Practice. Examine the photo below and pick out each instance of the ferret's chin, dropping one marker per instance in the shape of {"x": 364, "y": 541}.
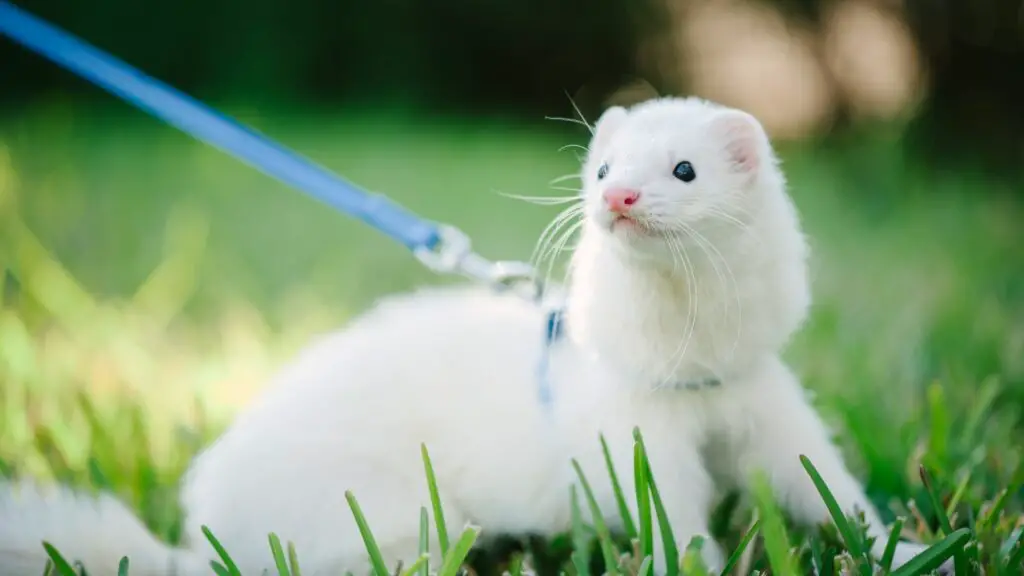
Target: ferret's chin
{"x": 635, "y": 237}
{"x": 625, "y": 227}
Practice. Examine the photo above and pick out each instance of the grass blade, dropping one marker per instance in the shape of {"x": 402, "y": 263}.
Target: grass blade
{"x": 380, "y": 568}
{"x": 818, "y": 563}
{"x": 61, "y": 566}
{"x": 935, "y": 555}
{"x": 620, "y": 497}
{"x": 1012, "y": 558}
{"x": 643, "y": 501}
{"x": 959, "y": 558}
{"x": 939, "y": 428}
{"x": 457, "y": 554}
{"x": 515, "y": 565}
{"x": 97, "y": 479}
{"x": 891, "y": 543}
{"x": 419, "y": 566}
{"x": 773, "y": 528}
{"x": 279, "y": 558}
{"x": 435, "y": 502}
{"x": 693, "y": 559}
{"x": 424, "y": 541}
{"x": 1014, "y": 561}
{"x": 991, "y": 516}
{"x": 582, "y": 568}
{"x": 579, "y": 564}
{"x": 981, "y": 407}
{"x": 850, "y": 536}
{"x": 937, "y": 507}
{"x": 7, "y": 470}
{"x": 961, "y": 489}
{"x": 229, "y": 565}
{"x": 645, "y": 567}
{"x": 47, "y": 446}
{"x": 737, "y": 554}
{"x": 293, "y": 560}
{"x": 668, "y": 538}
{"x": 603, "y": 535}
{"x": 580, "y": 535}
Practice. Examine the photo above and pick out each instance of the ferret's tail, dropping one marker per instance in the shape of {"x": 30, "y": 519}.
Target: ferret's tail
{"x": 96, "y": 531}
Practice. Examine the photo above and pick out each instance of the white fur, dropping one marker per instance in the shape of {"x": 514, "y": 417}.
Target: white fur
{"x": 456, "y": 370}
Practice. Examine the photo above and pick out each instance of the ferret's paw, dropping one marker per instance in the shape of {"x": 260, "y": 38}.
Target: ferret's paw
{"x": 905, "y": 551}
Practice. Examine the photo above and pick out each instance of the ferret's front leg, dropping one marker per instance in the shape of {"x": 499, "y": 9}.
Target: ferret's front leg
{"x": 777, "y": 424}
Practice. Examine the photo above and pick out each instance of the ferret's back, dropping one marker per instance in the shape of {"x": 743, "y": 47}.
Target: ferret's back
{"x": 421, "y": 367}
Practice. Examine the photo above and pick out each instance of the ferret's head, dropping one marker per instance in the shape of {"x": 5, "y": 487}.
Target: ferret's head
{"x": 675, "y": 170}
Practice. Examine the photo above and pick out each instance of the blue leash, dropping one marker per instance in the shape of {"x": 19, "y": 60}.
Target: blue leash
{"x": 441, "y": 248}
{"x": 192, "y": 117}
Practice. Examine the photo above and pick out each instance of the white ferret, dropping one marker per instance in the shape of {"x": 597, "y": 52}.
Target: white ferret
{"x": 689, "y": 278}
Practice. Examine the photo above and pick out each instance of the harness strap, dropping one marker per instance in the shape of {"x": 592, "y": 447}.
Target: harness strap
{"x": 553, "y": 333}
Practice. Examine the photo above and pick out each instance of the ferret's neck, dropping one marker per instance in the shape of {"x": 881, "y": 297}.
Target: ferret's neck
{"x": 665, "y": 324}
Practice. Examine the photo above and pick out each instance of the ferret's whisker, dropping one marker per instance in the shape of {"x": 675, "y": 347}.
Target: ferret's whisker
{"x": 561, "y": 179}
{"x": 724, "y": 216}
{"x": 580, "y": 114}
{"x": 693, "y": 295}
{"x": 574, "y": 146}
{"x": 677, "y": 260}
{"x": 560, "y": 247}
{"x": 679, "y": 355}
{"x": 555, "y": 246}
{"x": 714, "y": 253}
{"x": 542, "y": 200}
{"x": 702, "y": 243}
{"x": 551, "y": 231}
{"x": 570, "y": 120}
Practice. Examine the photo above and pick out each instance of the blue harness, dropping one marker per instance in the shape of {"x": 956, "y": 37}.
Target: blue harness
{"x": 552, "y": 334}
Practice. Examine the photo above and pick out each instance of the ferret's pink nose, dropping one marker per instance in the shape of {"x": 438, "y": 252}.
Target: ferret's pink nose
{"x": 620, "y": 200}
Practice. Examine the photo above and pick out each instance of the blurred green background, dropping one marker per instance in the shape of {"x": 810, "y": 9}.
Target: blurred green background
{"x": 141, "y": 267}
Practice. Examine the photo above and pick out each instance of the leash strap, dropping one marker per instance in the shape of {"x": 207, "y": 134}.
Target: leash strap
{"x": 195, "y": 119}
{"x": 440, "y": 247}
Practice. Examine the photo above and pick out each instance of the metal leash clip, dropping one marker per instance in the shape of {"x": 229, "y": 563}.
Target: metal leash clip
{"x": 453, "y": 254}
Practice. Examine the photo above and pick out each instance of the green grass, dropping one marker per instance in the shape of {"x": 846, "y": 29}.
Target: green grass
{"x": 154, "y": 284}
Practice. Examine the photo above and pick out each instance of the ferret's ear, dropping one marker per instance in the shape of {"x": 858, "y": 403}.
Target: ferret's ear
{"x": 608, "y": 124}
{"x": 742, "y": 139}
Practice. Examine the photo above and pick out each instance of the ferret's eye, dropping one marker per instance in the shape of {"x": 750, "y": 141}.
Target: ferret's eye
{"x": 684, "y": 171}
{"x": 602, "y": 171}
